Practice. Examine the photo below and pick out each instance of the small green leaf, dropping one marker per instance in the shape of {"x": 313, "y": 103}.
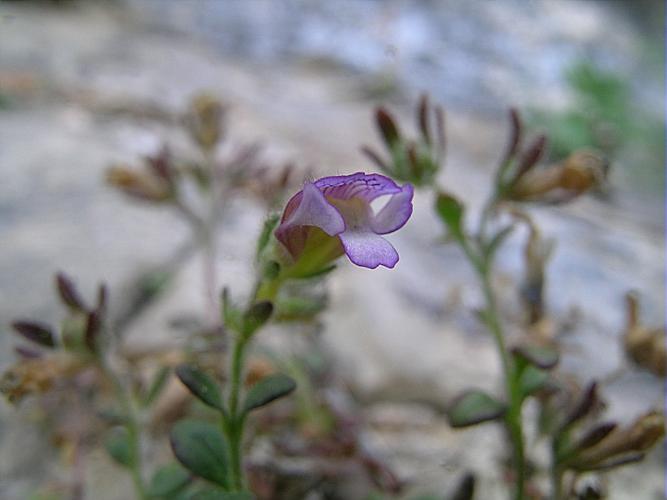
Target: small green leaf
{"x": 201, "y": 448}
{"x": 169, "y": 480}
{"x": 258, "y": 314}
{"x": 542, "y": 357}
{"x": 532, "y": 379}
{"x": 451, "y": 211}
{"x": 299, "y": 308}
{"x": 497, "y": 240}
{"x": 265, "y": 236}
{"x": 118, "y": 445}
{"x": 200, "y": 385}
{"x": 268, "y": 389}
{"x": 474, "y": 407}
{"x": 158, "y": 383}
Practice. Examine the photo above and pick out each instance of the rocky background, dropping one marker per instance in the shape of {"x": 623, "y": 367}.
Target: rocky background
{"x": 84, "y": 84}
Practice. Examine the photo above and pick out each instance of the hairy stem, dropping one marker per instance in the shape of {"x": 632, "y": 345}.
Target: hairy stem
{"x": 233, "y": 425}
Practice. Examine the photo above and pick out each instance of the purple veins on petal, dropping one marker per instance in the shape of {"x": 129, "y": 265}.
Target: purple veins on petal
{"x": 341, "y": 207}
{"x": 367, "y": 249}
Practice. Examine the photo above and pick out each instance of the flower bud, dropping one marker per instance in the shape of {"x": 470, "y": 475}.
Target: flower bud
{"x": 141, "y": 185}
{"x": 561, "y": 182}
{"x": 204, "y": 121}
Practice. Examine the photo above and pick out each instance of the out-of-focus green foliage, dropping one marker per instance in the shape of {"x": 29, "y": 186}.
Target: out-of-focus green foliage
{"x": 605, "y": 114}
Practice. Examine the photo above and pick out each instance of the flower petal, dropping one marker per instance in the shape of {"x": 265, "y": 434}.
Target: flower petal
{"x": 367, "y": 249}
{"x": 395, "y": 213}
{"x": 359, "y": 185}
{"x": 315, "y": 210}
{"x": 306, "y": 209}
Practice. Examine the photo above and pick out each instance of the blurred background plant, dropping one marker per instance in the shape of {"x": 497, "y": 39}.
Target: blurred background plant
{"x": 378, "y": 360}
{"x": 528, "y": 361}
{"x": 606, "y": 114}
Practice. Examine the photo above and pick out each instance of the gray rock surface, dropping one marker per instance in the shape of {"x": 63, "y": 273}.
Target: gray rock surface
{"x": 89, "y": 65}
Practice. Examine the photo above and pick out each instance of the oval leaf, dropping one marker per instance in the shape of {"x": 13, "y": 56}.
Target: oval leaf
{"x": 201, "y": 448}
{"x": 474, "y": 407}
{"x": 450, "y": 211}
{"x": 268, "y": 389}
{"x": 200, "y": 385}
{"x": 532, "y": 379}
{"x": 118, "y": 445}
{"x": 541, "y": 357}
{"x": 168, "y": 480}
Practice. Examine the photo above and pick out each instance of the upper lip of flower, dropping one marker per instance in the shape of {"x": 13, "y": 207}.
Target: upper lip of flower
{"x": 340, "y": 206}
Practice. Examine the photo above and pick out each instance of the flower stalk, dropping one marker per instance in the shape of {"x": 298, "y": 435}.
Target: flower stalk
{"x": 513, "y": 422}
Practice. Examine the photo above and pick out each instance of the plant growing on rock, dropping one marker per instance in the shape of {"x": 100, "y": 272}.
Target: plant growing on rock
{"x": 326, "y": 219}
{"x": 527, "y": 364}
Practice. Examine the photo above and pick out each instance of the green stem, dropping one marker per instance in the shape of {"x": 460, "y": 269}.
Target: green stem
{"x": 556, "y": 474}
{"x": 133, "y": 430}
{"x": 556, "y": 483}
{"x": 235, "y": 422}
{"x": 513, "y": 420}
{"x": 513, "y": 416}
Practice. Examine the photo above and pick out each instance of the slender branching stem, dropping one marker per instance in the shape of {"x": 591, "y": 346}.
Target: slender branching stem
{"x": 233, "y": 423}
{"x": 513, "y": 422}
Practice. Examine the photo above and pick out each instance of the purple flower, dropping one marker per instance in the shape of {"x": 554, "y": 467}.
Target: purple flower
{"x": 333, "y": 215}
